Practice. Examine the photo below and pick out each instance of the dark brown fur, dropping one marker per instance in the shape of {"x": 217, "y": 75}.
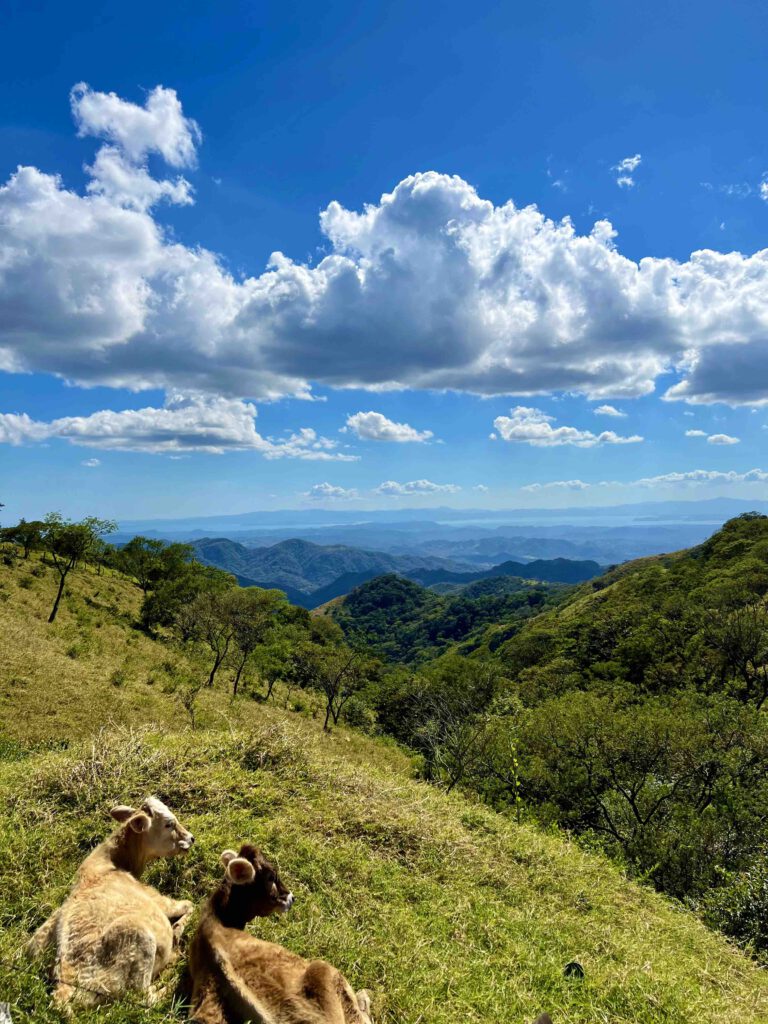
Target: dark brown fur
{"x": 237, "y": 977}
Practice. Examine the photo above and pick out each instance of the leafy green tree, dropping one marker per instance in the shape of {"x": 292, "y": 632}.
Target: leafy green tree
{"x": 28, "y": 535}
{"x": 208, "y": 619}
{"x": 669, "y": 782}
{"x": 341, "y": 673}
{"x": 69, "y": 544}
{"x": 151, "y": 561}
{"x": 164, "y": 605}
{"x": 254, "y": 614}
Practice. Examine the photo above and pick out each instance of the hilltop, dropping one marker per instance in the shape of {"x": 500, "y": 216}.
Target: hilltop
{"x": 312, "y": 574}
{"x": 393, "y": 877}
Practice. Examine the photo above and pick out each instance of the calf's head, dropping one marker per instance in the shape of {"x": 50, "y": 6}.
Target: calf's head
{"x": 251, "y": 888}
{"x": 160, "y": 832}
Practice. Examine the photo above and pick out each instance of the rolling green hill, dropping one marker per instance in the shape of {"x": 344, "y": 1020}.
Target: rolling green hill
{"x": 651, "y": 623}
{"x": 445, "y": 909}
{"x": 312, "y": 574}
{"x": 408, "y": 623}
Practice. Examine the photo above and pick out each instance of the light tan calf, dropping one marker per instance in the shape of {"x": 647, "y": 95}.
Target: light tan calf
{"x": 237, "y": 977}
{"x": 113, "y": 933}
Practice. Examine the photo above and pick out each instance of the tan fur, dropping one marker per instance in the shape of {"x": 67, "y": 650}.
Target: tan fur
{"x": 113, "y": 933}
{"x": 237, "y": 977}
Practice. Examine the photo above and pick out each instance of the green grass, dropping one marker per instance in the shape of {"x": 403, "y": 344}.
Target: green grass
{"x": 447, "y": 911}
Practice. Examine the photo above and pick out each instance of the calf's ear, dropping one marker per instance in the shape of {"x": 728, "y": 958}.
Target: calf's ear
{"x": 240, "y": 871}
{"x": 139, "y": 822}
{"x": 122, "y": 812}
{"x": 227, "y": 856}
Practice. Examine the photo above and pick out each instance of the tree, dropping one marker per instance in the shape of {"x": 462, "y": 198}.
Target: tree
{"x": 209, "y": 619}
{"x": 740, "y": 638}
{"x": 454, "y": 740}
{"x": 70, "y": 543}
{"x": 254, "y": 613}
{"x": 27, "y": 534}
{"x": 675, "y": 784}
{"x": 175, "y": 591}
{"x": 150, "y": 561}
{"x": 341, "y": 672}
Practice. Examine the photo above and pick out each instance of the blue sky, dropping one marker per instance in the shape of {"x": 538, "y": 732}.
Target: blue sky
{"x": 426, "y": 338}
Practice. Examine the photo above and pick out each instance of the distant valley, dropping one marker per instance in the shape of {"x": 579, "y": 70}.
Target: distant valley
{"x": 313, "y": 574}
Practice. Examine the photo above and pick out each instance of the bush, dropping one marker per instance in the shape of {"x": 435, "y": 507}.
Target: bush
{"x": 119, "y": 677}
{"x": 740, "y": 908}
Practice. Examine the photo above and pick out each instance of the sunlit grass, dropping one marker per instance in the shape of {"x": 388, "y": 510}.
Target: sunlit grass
{"x": 448, "y": 912}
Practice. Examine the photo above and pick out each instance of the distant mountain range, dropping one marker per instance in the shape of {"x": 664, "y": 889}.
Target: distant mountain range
{"x": 470, "y": 539}
{"x": 290, "y": 519}
{"x": 312, "y": 574}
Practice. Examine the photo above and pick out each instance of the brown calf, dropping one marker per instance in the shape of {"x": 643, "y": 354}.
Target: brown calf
{"x": 237, "y": 977}
{"x": 113, "y": 933}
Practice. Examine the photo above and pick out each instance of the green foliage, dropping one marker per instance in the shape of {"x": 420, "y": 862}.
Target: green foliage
{"x": 630, "y": 713}
{"x": 407, "y": 623}
{"x": 28, "y": 535}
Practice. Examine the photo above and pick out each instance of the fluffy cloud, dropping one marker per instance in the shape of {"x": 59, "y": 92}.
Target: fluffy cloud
{"x": 713, "y": 438}
{"x": 563, "y": 485}
{"x": 125, "y": 184}
{"x": 197, "y": 423}
{"x": 431, "y": 287}
{"x": 119, "y": 173}
{"x": 609, "y": 410}
{"x": 722, "y": 439}
{"x": 373, "y": 426}
{"x": 394, "y": 489}
{"x": 325, "y": 491}
{"x": 625, "y": 169}
{"x": 481, "y": 488}
{"x": 693, "y": 477}
{"x": 91, "y": 463}
{"x": 158, "y": 127}
{"x": 532, "y": 426}
{"x": 704, "y": 476}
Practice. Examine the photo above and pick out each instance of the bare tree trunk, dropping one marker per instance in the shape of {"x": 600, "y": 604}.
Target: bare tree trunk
{"x": 54, "y": 610}
{"x": 236, "y": 680}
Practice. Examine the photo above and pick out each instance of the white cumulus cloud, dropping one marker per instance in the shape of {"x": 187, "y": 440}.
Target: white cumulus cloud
{"x": 704, "y": 476}
{"x": 695, "y": 433}
{"x": 693, "y": 477}
{"x": 324, "y": 491}
{"x": 526, "y": 425}
{"x": 394, "y": 489}
{"x": 91, "y": 463}
{"x": 186, "y": 423}
{"x": 723, "y": 439}
{"x": 609, "y": 410}
{"x": 373, "y": 426}
{"x": 158, "y": 127}
{"x": 430, "y": 287}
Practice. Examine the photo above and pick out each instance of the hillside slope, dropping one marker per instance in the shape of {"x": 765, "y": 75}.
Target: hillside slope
{"x": 649, "y": 622}
{"x": 405, "y": 622}
{"x": 446, "y": 910}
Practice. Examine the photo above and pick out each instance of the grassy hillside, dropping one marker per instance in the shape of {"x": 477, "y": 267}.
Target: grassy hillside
{"x": 446, "y": 910}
